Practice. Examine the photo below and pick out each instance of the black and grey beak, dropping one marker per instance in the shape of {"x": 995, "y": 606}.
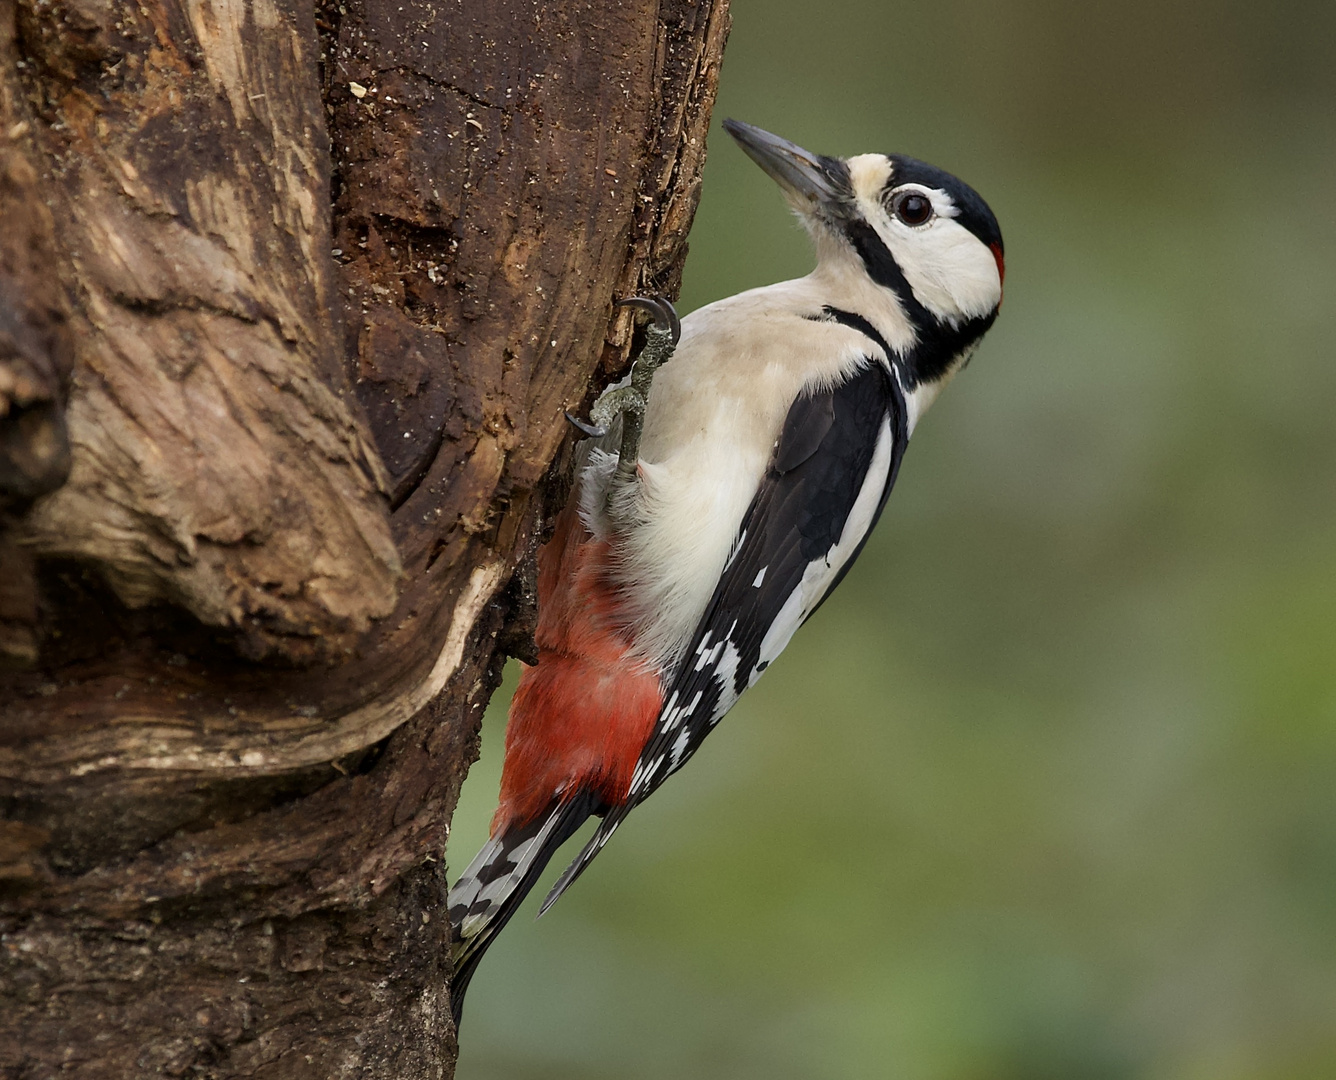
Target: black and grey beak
{"x": 811, "y": 182}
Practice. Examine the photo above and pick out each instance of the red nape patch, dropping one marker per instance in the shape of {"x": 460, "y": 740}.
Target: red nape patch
{"x": 996, "y": 249}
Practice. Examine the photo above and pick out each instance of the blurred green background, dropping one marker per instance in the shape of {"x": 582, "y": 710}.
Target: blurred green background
{"x": 1048, "y": 790}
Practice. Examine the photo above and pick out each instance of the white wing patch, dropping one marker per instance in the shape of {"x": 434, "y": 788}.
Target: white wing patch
{"x": 820, "y": 573}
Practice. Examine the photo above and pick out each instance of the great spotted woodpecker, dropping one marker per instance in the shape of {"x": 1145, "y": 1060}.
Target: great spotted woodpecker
{"x": 695, "y": 545}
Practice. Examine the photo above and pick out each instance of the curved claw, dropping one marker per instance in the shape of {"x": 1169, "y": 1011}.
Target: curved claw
{"x": 591, "y": 430}
{"x": 660, "y": 308}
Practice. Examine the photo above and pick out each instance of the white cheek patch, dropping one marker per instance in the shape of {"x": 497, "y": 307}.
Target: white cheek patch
{"x": 952, "y": 273}
{"x": 950, "y": 270}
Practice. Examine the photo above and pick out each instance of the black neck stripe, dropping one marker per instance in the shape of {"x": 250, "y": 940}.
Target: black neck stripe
{"x": 857, "y": 322}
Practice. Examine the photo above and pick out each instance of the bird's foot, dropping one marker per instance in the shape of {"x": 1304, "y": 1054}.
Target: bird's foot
{"x": 625, "y": 401}
{"x": 591, "y": 430}
{"x": 666, "y": 326}
{"x": 630, "y": 401}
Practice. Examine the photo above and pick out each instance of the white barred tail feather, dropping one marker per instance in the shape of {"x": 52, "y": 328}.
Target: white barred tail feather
{"x": 498, "y": 879}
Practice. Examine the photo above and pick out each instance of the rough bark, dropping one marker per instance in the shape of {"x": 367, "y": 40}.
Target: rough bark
{"x": 291, "y": 304}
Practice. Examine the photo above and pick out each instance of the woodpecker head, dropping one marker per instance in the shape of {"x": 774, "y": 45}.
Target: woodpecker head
{"x": 911, "y": 228}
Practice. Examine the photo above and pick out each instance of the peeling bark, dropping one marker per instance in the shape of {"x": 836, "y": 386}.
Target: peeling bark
{"x": 291, "y": 305}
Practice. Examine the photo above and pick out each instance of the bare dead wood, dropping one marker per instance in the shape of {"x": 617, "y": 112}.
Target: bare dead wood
{"x": 35, "y": 360}
{"x": 328, "y": 280}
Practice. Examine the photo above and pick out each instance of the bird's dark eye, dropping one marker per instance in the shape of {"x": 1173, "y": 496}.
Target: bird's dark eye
{"x": 912, "y": 207}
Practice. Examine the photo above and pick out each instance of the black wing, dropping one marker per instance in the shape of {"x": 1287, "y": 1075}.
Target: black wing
{"x": 838, "y": 453}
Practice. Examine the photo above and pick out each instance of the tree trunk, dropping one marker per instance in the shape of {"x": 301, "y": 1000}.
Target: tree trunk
{"x": 291, "y": 304}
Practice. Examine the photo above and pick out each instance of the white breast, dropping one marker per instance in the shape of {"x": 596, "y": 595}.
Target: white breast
{"x": 715, "y": 413}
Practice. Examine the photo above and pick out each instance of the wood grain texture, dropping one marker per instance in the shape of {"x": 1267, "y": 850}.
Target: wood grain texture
{"x": 331, "y": 278}
{"x": 35, "y": 361}
{"x": 219, "y": 465}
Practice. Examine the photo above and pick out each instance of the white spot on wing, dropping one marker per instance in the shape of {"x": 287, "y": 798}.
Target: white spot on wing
{"x": 737, "y": 546}
{"x": 760, "y": 577}
{"x": 708, "y": 658}
{"x": 680, "y": 745}
{"x": 727, "y": 674}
